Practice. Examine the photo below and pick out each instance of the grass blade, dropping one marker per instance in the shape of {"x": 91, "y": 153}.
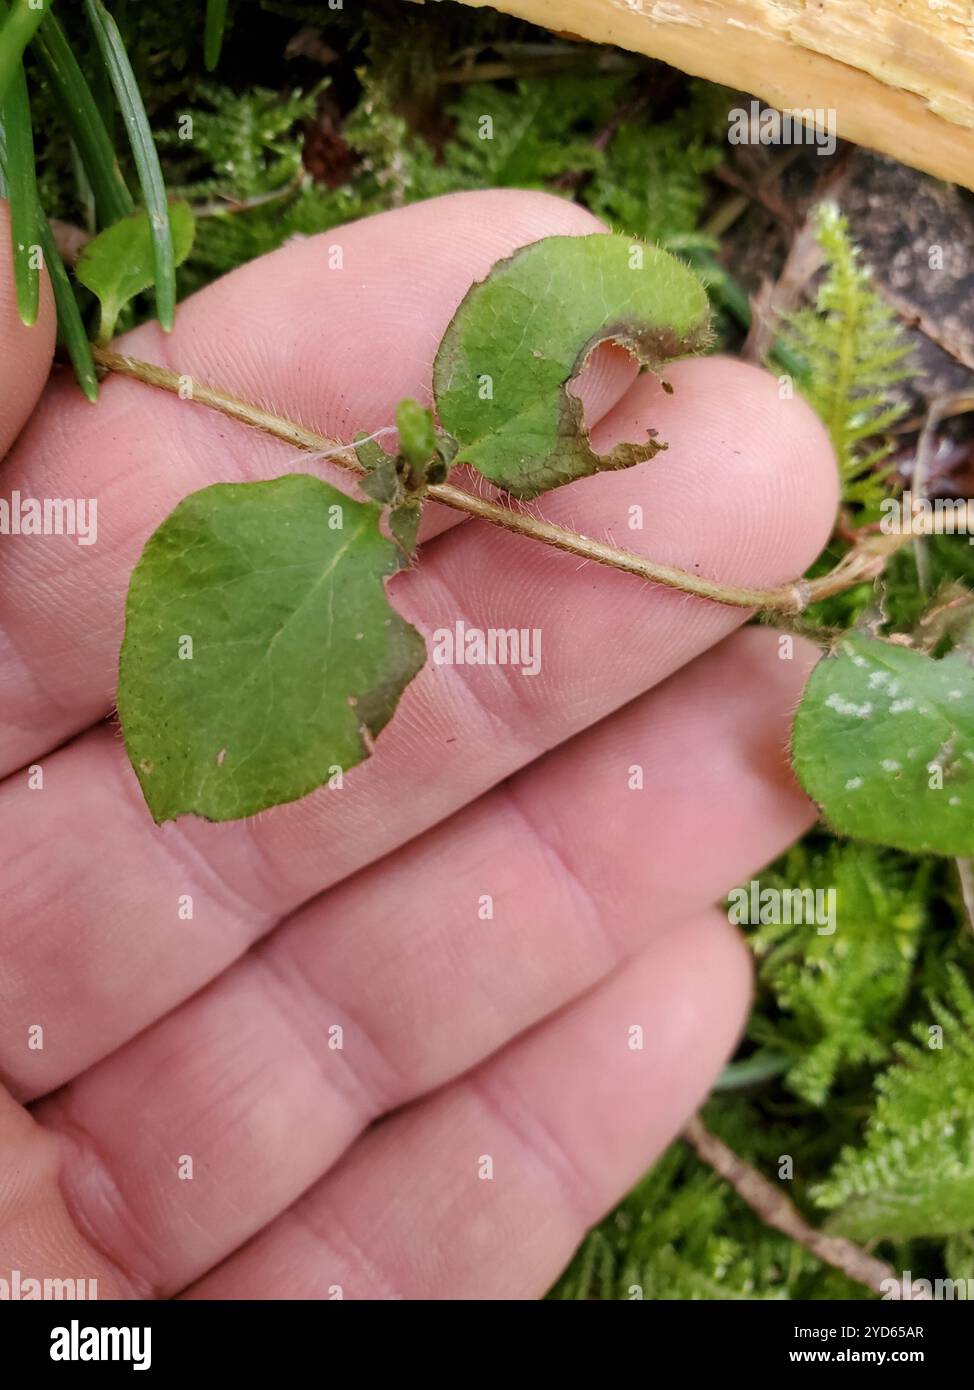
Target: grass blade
{"x": 216, "y": 24}
{"x": 144, "y": 151}
{"x": 70, "y": 327}
{"x": 81, "y": 114}
{"x": 25, "y": 213}
{"x": 16, "y": 32}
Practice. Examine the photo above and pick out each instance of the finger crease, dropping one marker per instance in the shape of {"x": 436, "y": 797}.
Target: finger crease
{"x": 538, "y": 1140}
{"x": 375, "y": 1085}
{"x": 551, "y": 850}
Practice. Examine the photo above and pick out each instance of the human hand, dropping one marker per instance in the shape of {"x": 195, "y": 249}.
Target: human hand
{"x": 488, "y": 908}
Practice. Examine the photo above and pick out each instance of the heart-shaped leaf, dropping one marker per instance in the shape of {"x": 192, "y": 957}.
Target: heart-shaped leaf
{"x": 504, "y": 365}
{"x": 261, "y": 655}
{"x": 884, "y": 742}
{"x": 118, "y": 263}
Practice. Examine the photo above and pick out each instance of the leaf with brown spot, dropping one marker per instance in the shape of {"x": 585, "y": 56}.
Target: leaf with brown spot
{"x": 502, "y": 372}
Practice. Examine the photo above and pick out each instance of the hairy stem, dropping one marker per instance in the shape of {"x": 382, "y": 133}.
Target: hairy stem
{"x": 771, "y": 1205}
{"x": 863, "y": 562}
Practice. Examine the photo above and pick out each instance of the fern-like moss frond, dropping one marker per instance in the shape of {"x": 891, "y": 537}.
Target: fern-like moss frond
{"x": 855, "y": 352}
{"x": 839, "y": 992}
{"x": 914, "y": 1174}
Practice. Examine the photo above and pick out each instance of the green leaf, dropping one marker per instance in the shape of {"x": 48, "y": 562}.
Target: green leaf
{"x": 383, "y": 482}
{"x": 129, "y": 100}
{"x": 16, "y": 32}
{"x": 118, "y": 263}
{"x": 417, "y": 438}
{"x": 296, "y": 660}
{"x": 369, "y": 454}
{"x": 216, "y": 23}
{"x": 70, "y": 327}
{"x": 884, "y": 742}
{"x": 503, "y": 369}
{"x": 21, "y": 180}
{"x": 79, "y": 109}
{"x": 404, "y": 528}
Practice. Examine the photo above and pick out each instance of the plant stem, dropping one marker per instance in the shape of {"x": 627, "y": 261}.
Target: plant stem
{"x": 226, "y": 404}
{"x": 965, "y": 872}
{"x": 225, "y": 207}
{"x": 771, "y": 1205}
{"x": 788, "y": 598}
{"x": 863, "y": 562}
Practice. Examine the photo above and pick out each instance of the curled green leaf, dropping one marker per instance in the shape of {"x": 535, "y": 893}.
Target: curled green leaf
{"x": 884, "y": 742}
{"x": 417, "y": 438}
{"x": 404, "y": 528}
{"x": 261, "y": 657}
{"x": 502, "y": 372}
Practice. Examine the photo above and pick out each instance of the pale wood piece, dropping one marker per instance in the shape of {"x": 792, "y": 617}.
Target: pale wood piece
{"x": 899, "y": 74}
